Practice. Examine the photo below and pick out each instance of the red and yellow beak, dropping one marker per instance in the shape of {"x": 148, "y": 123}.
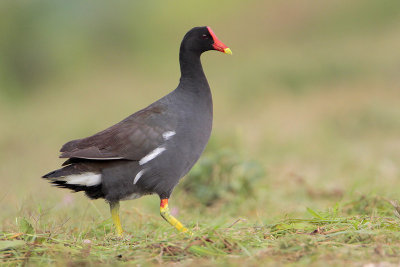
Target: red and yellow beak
{"x": 218, "y": 45}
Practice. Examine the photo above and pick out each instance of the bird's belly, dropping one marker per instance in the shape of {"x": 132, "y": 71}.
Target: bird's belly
{"x": 132, "y": 196}
{"x": 191, "y": 146}
{"x": 162, "y": 173}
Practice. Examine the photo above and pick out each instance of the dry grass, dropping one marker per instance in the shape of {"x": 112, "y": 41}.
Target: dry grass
{"x": 310, "y": 96}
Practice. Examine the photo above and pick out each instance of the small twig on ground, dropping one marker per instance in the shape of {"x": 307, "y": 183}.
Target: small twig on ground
{"x": 238, "y": 220}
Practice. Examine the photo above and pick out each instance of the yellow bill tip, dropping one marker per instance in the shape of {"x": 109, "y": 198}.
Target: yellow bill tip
{"x": 228, "y": 51}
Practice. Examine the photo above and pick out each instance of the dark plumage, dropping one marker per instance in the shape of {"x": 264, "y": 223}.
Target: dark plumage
{"x": 149, "y": 151}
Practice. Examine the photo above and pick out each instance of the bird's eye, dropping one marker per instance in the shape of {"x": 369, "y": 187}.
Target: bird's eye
{"x": 204, "y": 36}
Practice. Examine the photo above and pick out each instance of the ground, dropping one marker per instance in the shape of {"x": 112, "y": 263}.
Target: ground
{"x": 303, "y": 166}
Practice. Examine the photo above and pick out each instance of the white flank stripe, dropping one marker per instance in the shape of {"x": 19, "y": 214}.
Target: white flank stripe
{"x": 86, "y": 179}
{"x": 137, "y": 177}
{"x": 168, "y": 135}
{"x": 156, "y": 152}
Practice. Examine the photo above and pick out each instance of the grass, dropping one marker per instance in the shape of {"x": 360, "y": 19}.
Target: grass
{"x": 303, "y": 164}
{"x": 363, "y": 230}
{"x": 354, "y": 229}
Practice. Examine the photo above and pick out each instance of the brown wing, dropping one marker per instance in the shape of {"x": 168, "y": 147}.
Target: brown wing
{"x": 131, "y": 138}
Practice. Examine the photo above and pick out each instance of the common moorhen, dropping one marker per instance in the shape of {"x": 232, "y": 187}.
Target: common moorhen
{"x": 152, "y": 149}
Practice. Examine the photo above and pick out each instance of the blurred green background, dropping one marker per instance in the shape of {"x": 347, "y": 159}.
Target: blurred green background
{"x": 310, "y": 97}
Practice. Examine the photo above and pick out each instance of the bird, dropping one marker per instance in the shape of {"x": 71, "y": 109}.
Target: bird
{"x": 151, "y": 150}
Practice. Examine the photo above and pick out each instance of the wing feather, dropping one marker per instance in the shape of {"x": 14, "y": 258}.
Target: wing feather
{"x": 131, "y": 139}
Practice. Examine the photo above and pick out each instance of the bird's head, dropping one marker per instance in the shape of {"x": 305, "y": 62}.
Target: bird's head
{"x": 202, "y": 39}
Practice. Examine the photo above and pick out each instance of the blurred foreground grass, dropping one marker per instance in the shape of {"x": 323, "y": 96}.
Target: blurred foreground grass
{"x": 308, "y": 108}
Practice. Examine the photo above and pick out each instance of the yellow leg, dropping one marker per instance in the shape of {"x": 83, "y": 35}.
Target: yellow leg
{"x": 164, "y": 211}
{"x": 114, "y": 208}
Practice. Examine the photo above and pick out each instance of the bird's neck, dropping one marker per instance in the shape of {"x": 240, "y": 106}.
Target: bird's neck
{"x": 191, "y": 68}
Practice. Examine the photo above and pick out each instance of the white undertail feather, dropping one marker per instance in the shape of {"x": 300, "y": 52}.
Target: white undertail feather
{"x": 153, "y": 154}
{"x": 137, "y": 177}
{"x": 84, "y": 179}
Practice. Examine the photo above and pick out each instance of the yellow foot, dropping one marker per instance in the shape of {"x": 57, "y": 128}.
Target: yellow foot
{"x": 114, "y": 208}
{"x": 164, "y": 211}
